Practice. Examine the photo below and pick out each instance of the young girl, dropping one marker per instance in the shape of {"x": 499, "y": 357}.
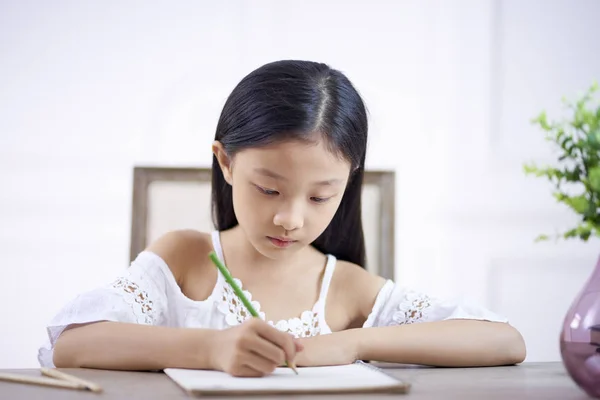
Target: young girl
{"x": 289, "y": 157}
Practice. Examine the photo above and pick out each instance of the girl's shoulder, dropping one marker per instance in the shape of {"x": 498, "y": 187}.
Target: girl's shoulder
{"x": 354, "y": 276}
{"x": 184, "y": 251}
{"x": 350, "y": 279}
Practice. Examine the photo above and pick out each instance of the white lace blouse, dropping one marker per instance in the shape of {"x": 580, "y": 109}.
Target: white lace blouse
{"x": 147, "y": 293}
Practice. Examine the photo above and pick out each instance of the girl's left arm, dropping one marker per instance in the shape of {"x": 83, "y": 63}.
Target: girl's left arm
{"x": 448, "y": 343}
{"x": 399, "y": 325}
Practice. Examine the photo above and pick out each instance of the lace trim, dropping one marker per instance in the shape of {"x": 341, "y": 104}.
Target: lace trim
{"x": 413, "y": 308}
{"x": 138, "y": 299}
{"x": 235, "y": 313}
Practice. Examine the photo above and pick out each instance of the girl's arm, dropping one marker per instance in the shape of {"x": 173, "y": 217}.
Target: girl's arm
{"x": 449, "y": 343}
{"x": 253, "y": 348}
{"x": 392, "y": 323}
{"x": 129, "y": 346}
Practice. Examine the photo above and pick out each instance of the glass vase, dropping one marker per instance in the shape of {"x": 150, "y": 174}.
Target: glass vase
{"x": 580, "y": 337}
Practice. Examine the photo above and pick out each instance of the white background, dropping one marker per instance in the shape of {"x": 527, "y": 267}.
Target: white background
{"x": 88, "y": 89}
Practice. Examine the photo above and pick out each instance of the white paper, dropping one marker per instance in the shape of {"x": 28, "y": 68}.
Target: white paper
{"x": 344, "y": 377}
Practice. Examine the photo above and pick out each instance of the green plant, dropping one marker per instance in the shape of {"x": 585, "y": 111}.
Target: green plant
{"x": 577, "y": 176}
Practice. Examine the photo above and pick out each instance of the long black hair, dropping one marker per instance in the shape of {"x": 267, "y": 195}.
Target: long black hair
{"x": 295, "y": 100}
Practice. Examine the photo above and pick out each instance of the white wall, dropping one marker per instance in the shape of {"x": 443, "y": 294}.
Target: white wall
{"x": 89, "y": 89}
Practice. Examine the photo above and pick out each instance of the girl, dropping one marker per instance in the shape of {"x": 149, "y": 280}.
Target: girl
{"x": 289, "y": 156}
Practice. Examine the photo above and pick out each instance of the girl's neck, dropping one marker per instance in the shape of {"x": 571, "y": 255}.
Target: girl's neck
{"x": 240, "y": 253}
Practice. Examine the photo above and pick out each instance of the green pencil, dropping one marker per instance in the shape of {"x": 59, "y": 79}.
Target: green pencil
{"x": 239, "y": 292}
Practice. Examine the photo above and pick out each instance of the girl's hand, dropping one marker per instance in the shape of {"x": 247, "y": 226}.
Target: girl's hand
{"x": 338, "y": 348}
{"x": 253, "y": 348}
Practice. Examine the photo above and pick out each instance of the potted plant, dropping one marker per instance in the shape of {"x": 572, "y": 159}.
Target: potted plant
{"x": 576, "y": 179}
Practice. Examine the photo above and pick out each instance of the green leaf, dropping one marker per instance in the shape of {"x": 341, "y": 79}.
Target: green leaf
{"x": 591, "y": 212}
{"x": 533, "y": 169}
{"x": 593, "y": 138}
{"x": 584, "y": 231}
{"x": 542, "y": 238}
{"x": 560, "y": 196}
{"x": 542, "y": 120}
{"x": 594, "y": 178}
{"x": 585, "y": 235}
{"x": 589, "y": 118}
{"x": 570, "y": 234}
{"x": 578, "y": 203}
{"x": 573, "y": 175}
{"x": 529, "y": 168}
{"x": 565, "y": 142}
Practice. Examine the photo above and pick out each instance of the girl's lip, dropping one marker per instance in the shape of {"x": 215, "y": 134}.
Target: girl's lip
{"x": 282, "y": 244}
{"x": 282, "y": 239}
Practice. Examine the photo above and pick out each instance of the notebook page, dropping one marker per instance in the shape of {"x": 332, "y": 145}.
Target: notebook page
{"x": 344, "y": 377}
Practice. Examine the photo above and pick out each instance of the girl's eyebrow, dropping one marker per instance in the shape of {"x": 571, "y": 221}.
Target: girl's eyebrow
{"x": 274, "y": 175}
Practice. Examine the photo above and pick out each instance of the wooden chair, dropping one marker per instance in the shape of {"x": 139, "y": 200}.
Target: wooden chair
{"x": 168, "y": 198}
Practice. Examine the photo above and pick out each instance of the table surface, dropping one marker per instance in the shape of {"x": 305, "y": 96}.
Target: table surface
{"x": 524, "y": 381}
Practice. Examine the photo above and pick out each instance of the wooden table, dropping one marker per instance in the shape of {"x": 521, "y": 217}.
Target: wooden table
{"x": 525, "y": 381}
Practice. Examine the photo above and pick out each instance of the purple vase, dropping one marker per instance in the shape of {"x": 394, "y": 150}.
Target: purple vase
{"x": 580, "y": 337}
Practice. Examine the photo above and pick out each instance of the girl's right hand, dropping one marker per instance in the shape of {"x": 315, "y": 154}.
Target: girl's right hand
{"x": 253, "y": 348}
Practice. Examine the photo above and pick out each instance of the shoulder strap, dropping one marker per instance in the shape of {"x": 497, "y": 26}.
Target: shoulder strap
{"x": 216, "y": 242}
{"x": 327, "y": 275}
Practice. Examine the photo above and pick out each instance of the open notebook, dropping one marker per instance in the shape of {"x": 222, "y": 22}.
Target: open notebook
{"x": 353, "y": 378}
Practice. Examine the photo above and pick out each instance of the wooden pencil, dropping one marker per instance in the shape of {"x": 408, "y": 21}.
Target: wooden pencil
{"x": 54, "y": 373}
{"x": 42, "y": 381}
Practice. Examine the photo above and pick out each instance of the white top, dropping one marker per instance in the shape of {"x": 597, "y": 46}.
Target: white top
{"x": 147, "y": 293}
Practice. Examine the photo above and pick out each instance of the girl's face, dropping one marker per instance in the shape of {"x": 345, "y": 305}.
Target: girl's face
{"x": 286, "y": 194}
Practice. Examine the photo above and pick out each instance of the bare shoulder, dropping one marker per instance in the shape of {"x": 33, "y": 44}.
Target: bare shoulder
{"x": 182, "y": 250}
{"x": 350, "y": 280}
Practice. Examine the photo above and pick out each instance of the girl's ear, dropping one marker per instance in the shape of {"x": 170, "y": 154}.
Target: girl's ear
{"x": 223, "y": 160}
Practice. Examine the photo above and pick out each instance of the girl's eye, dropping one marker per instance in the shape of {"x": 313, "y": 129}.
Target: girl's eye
{"x": 268, "y": 192}
{"x": 319, "y": 199}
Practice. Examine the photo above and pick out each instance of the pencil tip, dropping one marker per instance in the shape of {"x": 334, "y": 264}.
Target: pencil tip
{"x": 293, "y": 367}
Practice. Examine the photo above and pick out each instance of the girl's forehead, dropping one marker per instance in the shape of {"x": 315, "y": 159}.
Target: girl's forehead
{"x": 295, "y": 155}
